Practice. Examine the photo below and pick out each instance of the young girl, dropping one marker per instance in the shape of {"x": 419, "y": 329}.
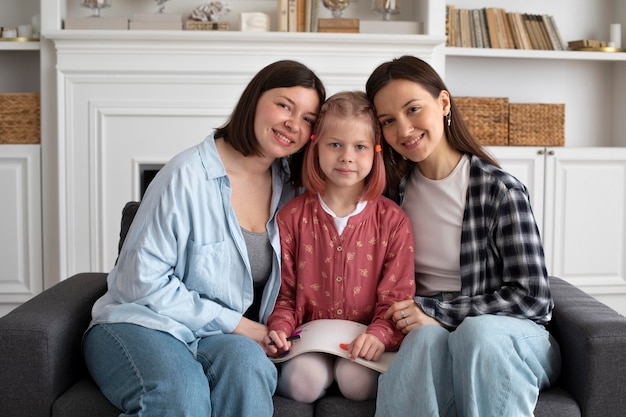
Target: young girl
{"x": 346, "y": 253}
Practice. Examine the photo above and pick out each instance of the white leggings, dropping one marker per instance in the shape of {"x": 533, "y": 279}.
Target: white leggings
{"x": 306, "y": 377}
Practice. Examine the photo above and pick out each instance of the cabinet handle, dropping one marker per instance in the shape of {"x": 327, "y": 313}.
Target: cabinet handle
{"x": 550, "y": 152}
{"x": 540, "y": 152}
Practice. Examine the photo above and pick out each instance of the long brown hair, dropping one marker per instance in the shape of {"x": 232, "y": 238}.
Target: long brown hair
{"x": 414, "y": 69}
{"x": 238, "y": 130}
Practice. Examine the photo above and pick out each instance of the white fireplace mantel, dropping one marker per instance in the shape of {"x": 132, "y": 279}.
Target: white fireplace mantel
{"x": 127, "y": 98}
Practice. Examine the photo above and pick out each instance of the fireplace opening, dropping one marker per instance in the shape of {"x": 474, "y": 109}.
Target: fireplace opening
{"x": 147, "y": 172}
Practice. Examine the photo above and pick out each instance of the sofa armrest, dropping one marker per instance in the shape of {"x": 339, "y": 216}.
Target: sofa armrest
{"x": 592, "y": 338}
{"x": 40, "y": 345}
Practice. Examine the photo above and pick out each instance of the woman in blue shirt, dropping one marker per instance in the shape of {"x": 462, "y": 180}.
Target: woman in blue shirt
{"x": 476, "y": 341}
{"x": 180, "y": 330}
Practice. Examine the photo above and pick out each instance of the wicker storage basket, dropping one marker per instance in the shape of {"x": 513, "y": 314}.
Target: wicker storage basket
{"x": 202, "y": 25}
{"x": 19, "y": 118}
{"x": 487, "y": 118}
{"x": 536, "y": 124}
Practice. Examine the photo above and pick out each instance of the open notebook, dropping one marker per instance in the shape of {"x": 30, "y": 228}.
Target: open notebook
{"x": 328, "y": 336}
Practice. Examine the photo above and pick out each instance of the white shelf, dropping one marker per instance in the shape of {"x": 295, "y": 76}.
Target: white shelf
{"x": 534, "y": 54}
{"x": 19, "y": 46}
{"x": 286, "y": 37}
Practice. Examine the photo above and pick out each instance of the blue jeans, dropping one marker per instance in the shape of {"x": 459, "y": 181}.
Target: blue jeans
{"x": 146, "y": 372}
{"x": 490, "y": 366}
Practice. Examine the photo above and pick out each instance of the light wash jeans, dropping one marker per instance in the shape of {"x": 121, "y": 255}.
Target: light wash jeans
{"x": 150, "y": 373}
{"x": 490, "y": 366}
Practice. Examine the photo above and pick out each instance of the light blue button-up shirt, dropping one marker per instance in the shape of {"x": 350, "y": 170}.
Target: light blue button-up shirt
{"x": 183, "y": 268}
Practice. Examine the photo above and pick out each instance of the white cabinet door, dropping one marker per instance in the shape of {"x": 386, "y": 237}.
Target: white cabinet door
{"x": 585, "y": 218}
{"x": 20, "y": 225}
{"x": 578, "y": 196}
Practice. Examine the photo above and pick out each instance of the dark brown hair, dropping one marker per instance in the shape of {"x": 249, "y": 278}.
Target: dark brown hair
{"x": 414, "y": 69}
{"x": 238, "y": 130}
{"x": 344, "y": 105}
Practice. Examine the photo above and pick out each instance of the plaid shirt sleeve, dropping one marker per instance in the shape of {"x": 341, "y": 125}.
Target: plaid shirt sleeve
{"x": 503, "y": 268}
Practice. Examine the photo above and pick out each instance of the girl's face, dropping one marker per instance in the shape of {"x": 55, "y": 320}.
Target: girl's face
{"x": 411, "y": 118}
{"x": 284, "y": 119}
{"x": 346, "y": 153}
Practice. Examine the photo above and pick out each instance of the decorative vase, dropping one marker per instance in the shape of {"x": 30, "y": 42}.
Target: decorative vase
{"x": 386, "y": 7}
{"x": 336, "y": 6}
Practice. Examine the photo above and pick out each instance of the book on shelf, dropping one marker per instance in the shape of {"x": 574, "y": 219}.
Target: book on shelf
{"x": 506, "y": 27}
{"x": 450, "y": 25}
{"x": 332, "y": 336}
{"x": 297, "y": 15}
{"x": 532, "y": 33}
{"x": 282, "y": 24}
{"x": 292, "y": 15}
{"x": 586, "y": 43}
{"x": 556, "y": 33}
{"x": 537, "y": 33}
{"x": 520, "y": 33}
{"x": 466, "y": 28}
{"x": 543, "y": 33}
{"x": 494, "y": 27}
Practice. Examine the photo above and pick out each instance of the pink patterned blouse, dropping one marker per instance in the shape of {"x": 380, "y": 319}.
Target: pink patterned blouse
{"x": 353, "y": 276}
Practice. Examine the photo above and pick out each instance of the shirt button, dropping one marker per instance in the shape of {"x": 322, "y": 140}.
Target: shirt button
{"x": 339, "y": 248}
{"x": 339, "y": 311}
{"x": 338, "y": 279}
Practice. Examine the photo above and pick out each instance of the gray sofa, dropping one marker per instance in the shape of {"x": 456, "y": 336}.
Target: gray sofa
{"x": 43, "y": 374}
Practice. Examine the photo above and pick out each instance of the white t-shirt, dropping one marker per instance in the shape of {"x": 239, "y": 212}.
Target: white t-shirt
{"x": 342, "y": 222}
{"x": 435, "y": 208}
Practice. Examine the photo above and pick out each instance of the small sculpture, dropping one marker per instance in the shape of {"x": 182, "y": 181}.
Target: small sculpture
{"x": 211, "y": 12}
{"x": 160, "y": 4}
{"x": 96, "y": 5}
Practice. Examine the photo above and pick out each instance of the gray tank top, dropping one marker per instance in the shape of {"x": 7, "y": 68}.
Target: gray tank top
{"x": 260, "y": 254}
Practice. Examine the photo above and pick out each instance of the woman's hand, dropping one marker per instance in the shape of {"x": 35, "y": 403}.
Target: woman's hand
{"x": 255, "y": 331}
{"x": 407, "y": 316}
{"x": 366, "y": 346}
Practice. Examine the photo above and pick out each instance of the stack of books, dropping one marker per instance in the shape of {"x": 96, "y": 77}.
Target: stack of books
{"x": 493, "y": 27}
{"x": 297, "y": 15}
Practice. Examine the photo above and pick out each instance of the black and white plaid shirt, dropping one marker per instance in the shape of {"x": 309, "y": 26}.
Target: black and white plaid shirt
{"x": 502, "y": 262}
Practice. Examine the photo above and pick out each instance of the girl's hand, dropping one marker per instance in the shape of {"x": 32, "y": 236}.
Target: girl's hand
{"x": 366, "y": 346}
{"x": 276, "y": 343}
{"x": 407, "y": 316}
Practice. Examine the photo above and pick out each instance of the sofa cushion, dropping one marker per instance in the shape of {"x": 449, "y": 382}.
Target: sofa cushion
{"x": 556, "y": 402}
{"x": 85, "y": 399}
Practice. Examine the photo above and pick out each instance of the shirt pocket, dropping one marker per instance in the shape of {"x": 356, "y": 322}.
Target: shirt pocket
{"x": 208, "y": 271}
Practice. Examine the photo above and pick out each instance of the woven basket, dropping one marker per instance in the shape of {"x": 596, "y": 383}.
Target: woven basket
{"x": 202, "y": 25}
{"x": 536, "y": 124}
{"x": 487, "y": 118}
{"x": 19, "y": 118}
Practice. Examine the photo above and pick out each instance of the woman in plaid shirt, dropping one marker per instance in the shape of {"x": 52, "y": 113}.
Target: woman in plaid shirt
{"x": 476, "y": 341}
